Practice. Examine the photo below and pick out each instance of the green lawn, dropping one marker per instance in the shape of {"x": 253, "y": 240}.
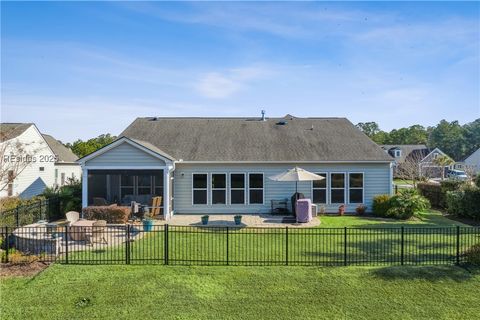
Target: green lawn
{"x": 163, "y": 292}
{"x": 402, "y": 181}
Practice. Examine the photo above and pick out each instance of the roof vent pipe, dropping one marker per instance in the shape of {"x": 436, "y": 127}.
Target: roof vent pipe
{"x": 263, "y": 115}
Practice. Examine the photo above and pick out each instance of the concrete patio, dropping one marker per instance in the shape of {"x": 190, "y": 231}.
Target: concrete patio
{"x": 248, "y": 220}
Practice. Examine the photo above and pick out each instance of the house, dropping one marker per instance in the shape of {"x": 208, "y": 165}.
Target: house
{"x": 223, "y": 165}
{"x": 415, "y": 159}
{"x": 32, "y": 161}
{"x": 470, "y": 163}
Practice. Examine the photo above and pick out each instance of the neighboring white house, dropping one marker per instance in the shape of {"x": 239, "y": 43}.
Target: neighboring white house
{"x": 48, "y": 162}
{"x": 470, "y": 163}
{"x": 223, "y": 165}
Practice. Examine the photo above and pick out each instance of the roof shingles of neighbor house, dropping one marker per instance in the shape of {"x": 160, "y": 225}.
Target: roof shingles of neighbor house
{"x": 12, "y": 130}
{"x": 412, "y": 151}
{"x": 63, "y": 153}
{"x": 251, "y": 139}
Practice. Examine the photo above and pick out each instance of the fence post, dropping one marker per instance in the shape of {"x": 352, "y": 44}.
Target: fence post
{"x": 66, "y": 244}
{"x": 227, "y": 246}
{"x": 402, "y": 248}
{"x": 165, "y": 244}
{"x": 17, "y": 218}
{"x": 345, "y": 247}
{"x": 7, "y": 246}
{"x": 127, "y": 245}
{"x": 458, "y": 245}
{"x": 286, "y": 245}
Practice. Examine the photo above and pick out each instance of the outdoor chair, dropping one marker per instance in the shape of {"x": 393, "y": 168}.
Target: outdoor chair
{"x": 72, "y": 216}
{"x": 155, "y": 209}
{"x": 98, "y": 233}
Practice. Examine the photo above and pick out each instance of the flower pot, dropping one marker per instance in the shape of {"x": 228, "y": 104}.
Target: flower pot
{"x": 204, "y": 220}
{"x": 147, "y": 225}
{"x": 237, "y": 219}
{"x": 341, "y": 210}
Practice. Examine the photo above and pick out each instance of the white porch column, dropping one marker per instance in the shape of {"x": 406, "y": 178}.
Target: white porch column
{"x": 166, "y": 193}
{"x": 84, "y": 187}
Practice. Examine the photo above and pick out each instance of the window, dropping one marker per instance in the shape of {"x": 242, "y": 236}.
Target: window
{"x": 337, "y": 189}
{"x": 42, "y": 168}
{"x": 355, "y": 184}
{"x": 237, "y": 188}
{"x": 200, "y": 187}
{"x": 435, "y": 156}
{"x": 255, "y": 188}
{"x": 319, "y": 189}
{"x": 398, "y": 153}
{"x": 219, "y": 188}
{"x": 10, "y": 189}
{"x": 62, "y": 178}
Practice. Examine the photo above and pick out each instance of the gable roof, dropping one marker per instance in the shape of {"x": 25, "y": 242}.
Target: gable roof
{"x": 12, "y": 130}
{"x": 63, "y": 153}
{"x": 251, "y": 139}
{"x": 412, "y": 151}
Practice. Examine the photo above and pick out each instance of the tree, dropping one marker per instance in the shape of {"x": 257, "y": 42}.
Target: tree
{"x": 442, "y": 162}
{"x": 410, "y": 168}
{"x": 448, "y": 137}
{"x": 15, "y": 157}
{"x": 369, "y": 128}
{"x": 82, "y": 148}
{"x": 472, "y": 136}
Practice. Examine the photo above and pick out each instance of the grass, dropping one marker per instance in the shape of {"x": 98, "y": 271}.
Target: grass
{"x": 154, "y": 292}
{"x": 403, "y": 181}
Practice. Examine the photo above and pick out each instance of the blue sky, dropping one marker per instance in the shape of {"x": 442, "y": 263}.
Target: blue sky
{"x": 80, "y": 69}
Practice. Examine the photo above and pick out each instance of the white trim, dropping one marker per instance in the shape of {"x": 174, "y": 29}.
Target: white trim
{"x": 118, "y": 142}
{"x": 390, "y": 178}
{"x": 356, "y": 188}
{"x": 120, "y": 167}
{"x": 166, "y": 194}
{"x": 244, "y": 189}
{"x": 263, "y": 189}
{"x": 206, "y": 189}
{"x": 212, "y": 189}
{"x": 344, "y": 188}
{"x": 326, "y": 188}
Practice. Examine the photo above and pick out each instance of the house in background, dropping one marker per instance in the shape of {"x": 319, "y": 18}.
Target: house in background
{"x": 47, "y": 162}
{"x": 223, "y": 165}
{"x": 415, "y": 155}
{"x": 471, "y": 163}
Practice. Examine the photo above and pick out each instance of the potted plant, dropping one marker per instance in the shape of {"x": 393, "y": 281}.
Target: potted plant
{"x": 205, "y": 219}
{"x": 147, "y": 222}
{"x": 237, "y": 219}
{"x": 341, "y": 210}
{"x": 360, "y": 209}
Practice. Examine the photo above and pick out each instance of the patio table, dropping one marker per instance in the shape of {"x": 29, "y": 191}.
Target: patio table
{"x": 79, "y": 229}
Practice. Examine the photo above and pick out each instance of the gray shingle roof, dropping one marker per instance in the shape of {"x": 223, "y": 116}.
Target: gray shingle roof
{"x": 250, "y": 139}
{"x": 414, "y": 151}
{"x": 63, "y": 153}
{"x": 12, "y": 130}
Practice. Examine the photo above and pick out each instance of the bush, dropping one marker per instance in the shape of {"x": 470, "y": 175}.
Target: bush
{"x": 406, "y": 204}
{"x": 8, "y": 203}
{"x": 473, "y": 254}
{"x": 464, "y": 203}
{"x": 69, "y": 195}
{"x": 437, "y": 193}
{"x": 112, "y": 214}
{"x": 381, "y": 204}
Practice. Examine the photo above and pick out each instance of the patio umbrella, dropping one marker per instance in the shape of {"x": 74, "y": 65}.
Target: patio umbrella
{"x": 296, "y": 174}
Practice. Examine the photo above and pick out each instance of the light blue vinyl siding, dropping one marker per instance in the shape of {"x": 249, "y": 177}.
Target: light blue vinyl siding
{"x": 125, "y": 155}
{"x": 377, "y": 180}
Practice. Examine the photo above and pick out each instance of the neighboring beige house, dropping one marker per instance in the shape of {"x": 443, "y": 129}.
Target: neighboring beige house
{"x": 470, "y": 163}
{"x": 49, "y": 162}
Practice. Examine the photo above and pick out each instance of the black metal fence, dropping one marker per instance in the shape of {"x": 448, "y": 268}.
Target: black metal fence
{"x": 47, "y": 209}
{"x": 185, "y": 245}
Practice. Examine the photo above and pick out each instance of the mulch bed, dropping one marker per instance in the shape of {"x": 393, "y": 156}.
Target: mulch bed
{"x": 22, "y": 270}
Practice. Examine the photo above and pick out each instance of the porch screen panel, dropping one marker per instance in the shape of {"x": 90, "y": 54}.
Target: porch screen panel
{"x": 199, "y": 188}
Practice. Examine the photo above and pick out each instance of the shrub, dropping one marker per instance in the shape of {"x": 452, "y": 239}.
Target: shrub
{"x": 69, "y": 195}
{"x": 112, "y": 214}
{"x": 437, "y": 193}
{"x": 406, "y": 204}
{"x": 381, "y": 204}
{"x": 464, "y": 203}
{"x": 473, "y": 254}
{"x": 360, "y": 209}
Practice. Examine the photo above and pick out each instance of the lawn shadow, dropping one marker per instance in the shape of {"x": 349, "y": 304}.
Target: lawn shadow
{"x": 428, "y": 273}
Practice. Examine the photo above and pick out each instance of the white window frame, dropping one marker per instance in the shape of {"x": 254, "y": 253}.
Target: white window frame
{"x": 263, "y": 189}
{"x": 206, "y": 189}
{"x": 356, "y": 188}
{"x": 398, "y": 153}
{"x": 245, "y": 175}
{"x": 331, "y": 188}
{"x": 213, "y": 189}
{"x": 326, "y": 187}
